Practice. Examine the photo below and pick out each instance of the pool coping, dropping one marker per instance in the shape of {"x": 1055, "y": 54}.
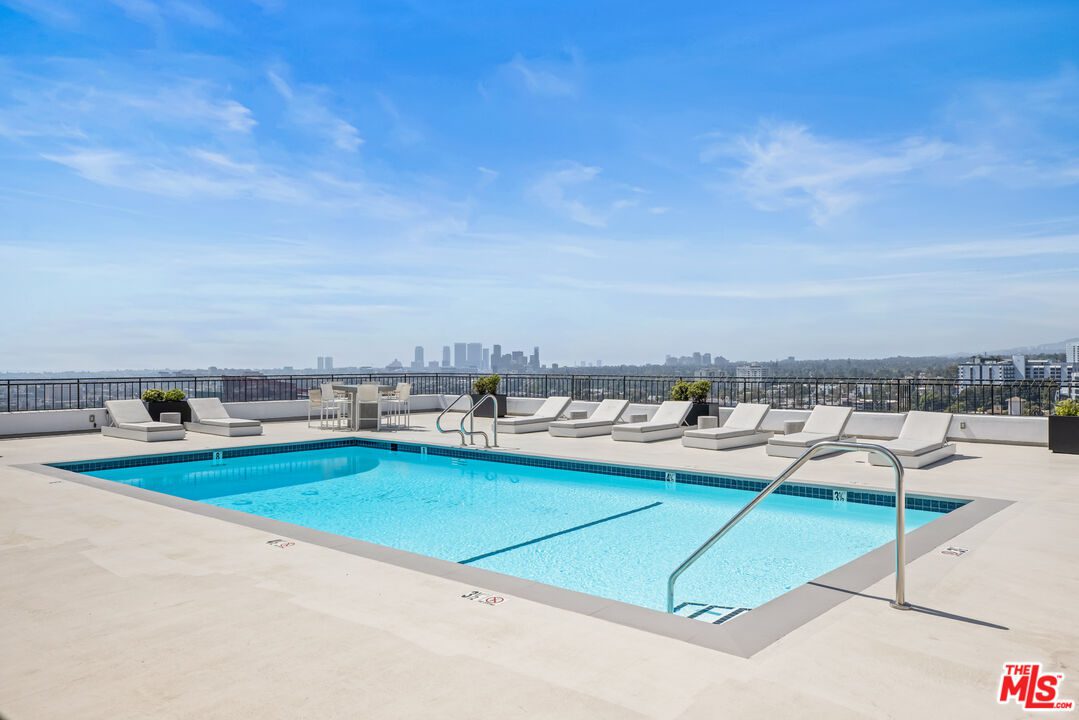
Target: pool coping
{"x": 743, "y": 636}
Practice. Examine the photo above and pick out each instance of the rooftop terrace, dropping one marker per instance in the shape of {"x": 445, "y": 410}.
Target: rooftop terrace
{"x": 126, "y": 608}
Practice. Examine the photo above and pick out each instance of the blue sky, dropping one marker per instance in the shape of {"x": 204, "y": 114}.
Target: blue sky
{"x": 257, "y": 183}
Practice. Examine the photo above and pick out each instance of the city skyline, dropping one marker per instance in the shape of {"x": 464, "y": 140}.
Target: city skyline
{"x": 188, "y": 183}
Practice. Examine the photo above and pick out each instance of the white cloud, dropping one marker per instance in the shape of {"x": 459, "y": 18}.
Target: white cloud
{"x": 551, "y": 190}
{"x": 202, "y": 173}
{"x": 544, "y": 79}
{"x": 155, "y": 14}
{"x": 307, "y": 108}
{"x": 785, "y": 165}
{"x": 1020, "y": 134}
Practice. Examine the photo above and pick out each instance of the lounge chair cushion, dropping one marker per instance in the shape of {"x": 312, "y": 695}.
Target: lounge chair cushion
{"x": 900, "y": 447}
{"x": 128, "y": 411}
{"x": 527, "y": 420}
{"x": 150, "y": 426}
{"x": 748, "y": 416}
{"x": 828, "y": 420}
{"x": 606, "y": 412}
{"x": 925, "y": 428}
{"x": 586, "y": 423}
{"x": 720, "y": 432}
{"x": 671, "y": 412}
{"x": 645, "y": 427}
{"x": 207, "y": 409}
{"x": 229, "y": 422}
{"x": 551, "y": 408}
{"x": 801, "y": 439}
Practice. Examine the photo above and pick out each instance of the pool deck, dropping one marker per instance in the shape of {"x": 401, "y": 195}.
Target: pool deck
{"x": 112, "y": 607}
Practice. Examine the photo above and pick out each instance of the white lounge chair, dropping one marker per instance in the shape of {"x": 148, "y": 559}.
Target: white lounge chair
{"x": 922, "y": 441}
{"x": 600, "y": 422}
{"x": 741, "y": 430}
{"x": 824, "y": 423}
{"x": 208, "y": 415}
{"x": 551, "y": 409}
{"x": 131, "y": 420}
{"x": 664, "y": 425}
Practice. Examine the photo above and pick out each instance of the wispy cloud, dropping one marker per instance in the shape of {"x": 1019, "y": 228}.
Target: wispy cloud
{"x": 545, "y": 78}
{"x": 784, "y": 165}
{"x": 308, "y": 109}
{"x": 1020, "y": 133}
{"x": 156, "y": 14}
{"x": 552, "y": 189}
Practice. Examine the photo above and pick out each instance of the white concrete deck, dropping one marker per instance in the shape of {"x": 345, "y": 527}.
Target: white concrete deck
{"x": 113, "y": 607}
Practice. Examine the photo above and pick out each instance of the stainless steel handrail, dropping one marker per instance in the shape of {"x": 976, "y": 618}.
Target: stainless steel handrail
{"x": 900, "y": 602}
{"x": 472, "y": 426}
{"x": 438, "y": 420}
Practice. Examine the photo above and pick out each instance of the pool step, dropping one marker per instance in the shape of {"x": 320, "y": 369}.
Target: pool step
{"x": 714, "y": 614}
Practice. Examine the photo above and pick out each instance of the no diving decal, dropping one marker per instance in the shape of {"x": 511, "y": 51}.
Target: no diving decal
{"x": 482, "y": 597}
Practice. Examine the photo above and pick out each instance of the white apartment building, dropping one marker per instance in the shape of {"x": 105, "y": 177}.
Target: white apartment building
{"x": 1018, "y": 367}
{"x": 750, "y": 371}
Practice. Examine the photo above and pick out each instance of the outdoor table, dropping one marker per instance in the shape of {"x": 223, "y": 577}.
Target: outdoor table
{"x": 355, "y": 420}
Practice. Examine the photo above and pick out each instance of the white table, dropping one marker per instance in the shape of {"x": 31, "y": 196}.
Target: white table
{"x": 355, "y": 420}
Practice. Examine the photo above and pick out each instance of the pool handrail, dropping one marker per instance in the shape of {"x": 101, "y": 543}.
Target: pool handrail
{"x": 472, "y": 425}
{"x": 438, "y": 420}
{"x": 900, "y": 602}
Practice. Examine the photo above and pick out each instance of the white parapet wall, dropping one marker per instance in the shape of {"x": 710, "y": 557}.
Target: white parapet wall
{"x": 49, "y": 422}
{"x": 967, "y": 428}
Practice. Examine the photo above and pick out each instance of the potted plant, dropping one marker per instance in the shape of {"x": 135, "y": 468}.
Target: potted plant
{"x": 488, "y": 384}
{"x": 159, "y": 401}
{"x": 1064, "y": 427}
{"x": 697, "y": 393}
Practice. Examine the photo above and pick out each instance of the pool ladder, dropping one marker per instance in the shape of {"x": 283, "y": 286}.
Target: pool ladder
{"x": 900, "y": 602}
{"x": 472, "y": 431}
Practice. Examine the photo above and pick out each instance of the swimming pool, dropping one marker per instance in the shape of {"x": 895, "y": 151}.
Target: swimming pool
{"x": 604, "y": 530}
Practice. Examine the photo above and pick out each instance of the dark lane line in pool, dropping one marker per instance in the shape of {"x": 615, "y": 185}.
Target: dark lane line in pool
{"x": 533, "y": 541}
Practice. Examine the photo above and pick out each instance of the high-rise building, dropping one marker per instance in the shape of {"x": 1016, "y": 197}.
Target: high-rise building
{"x": 460, "y": 360}
{"x": 433, "y": 366}
{"x": 706, "y": 359}
{"x": 417, "y": 359}
{"x": 750, "y": 371}
{"x": 321, "y": 363}
{"x": 445, "y": 356}
{"x": 1071, "y": 352}
{"x": 534, "y": 361}
{"x": 329, "y": 363}
{"x": 486, "y": 364}
{"x": 697, "y": 359}
{"x": 496, "y": 358}
{"x": 474, "y": 355}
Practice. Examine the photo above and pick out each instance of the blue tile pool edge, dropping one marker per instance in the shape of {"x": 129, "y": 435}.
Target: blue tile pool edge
{"x": 927, "y": 503}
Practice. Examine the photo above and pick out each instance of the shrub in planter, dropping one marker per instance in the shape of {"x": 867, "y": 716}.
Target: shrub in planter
{"x": 488, "y": 384}
{"x": 159, "y": 401}
{"x": 1064, "y": 427}
{"x": 698, "y": 393}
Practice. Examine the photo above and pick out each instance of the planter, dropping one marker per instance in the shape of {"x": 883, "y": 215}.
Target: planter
{"x": 1064, "y": 434}
{"x": 485, "y": 409}
{"x": 700, "y": 409}
{"x": 156, "y": 408}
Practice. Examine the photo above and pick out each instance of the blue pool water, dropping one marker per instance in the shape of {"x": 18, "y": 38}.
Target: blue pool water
{"x": 612, "y": 536}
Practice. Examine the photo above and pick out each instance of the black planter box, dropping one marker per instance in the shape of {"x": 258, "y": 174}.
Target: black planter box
{"x": 156, "y": 408}
{"x": 485, "y": 409}
{"x": 698, "y": 410}
{"x": 1064, "y": 434}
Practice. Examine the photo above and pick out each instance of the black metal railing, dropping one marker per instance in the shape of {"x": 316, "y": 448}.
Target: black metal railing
{"x": 877, "y": 395}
